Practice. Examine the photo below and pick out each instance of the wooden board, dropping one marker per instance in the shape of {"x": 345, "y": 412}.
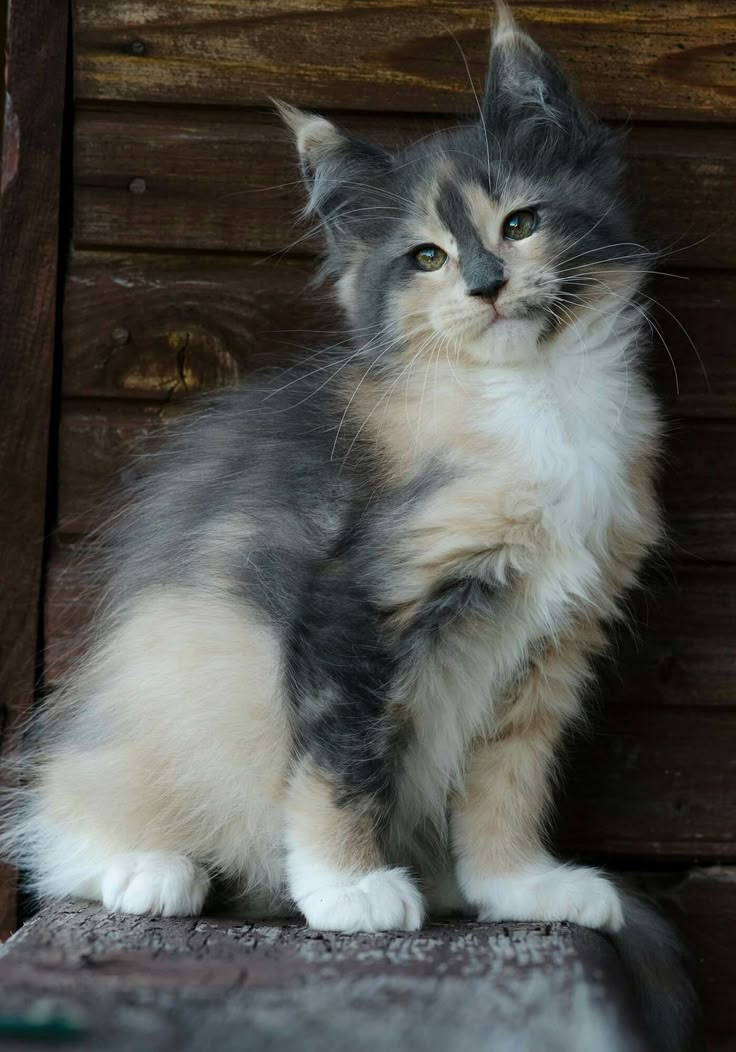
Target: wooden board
{"x": 162, "y": 327}
{"x": 29, "y": 197}
{"x": 192, "y": 985}
{"x": 699, "y": 489}
{"x": 228, "y": 182}
{"x": 161, "y": 968}
{"x": 656, "y": 60}
{"x": 652, "y": 781}
{"x": 153, "y": 326}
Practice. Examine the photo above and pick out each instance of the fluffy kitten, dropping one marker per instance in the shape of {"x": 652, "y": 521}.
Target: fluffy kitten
{"x": 352, "y": 610}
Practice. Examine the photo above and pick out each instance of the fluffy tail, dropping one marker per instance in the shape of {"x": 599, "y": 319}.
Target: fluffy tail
{"x": 654, "y": 958}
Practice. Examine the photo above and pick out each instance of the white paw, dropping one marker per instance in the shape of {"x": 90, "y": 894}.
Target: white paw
{"x": 157, "y": 882}
{"x": 384, "y": 900}
{"x": 552, "y": 893}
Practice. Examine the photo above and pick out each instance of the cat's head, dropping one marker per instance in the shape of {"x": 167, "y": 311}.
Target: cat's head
{"x": 493, "y": 236}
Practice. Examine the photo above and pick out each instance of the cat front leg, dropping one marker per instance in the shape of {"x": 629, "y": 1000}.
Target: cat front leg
{"x": 503, "y": 866}
{"x": 336, "y": 871}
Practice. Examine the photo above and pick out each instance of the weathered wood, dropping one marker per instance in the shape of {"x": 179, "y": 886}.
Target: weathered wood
{"x": 161, "y": 326}
{"x": 223, "y": 181}
{"x": 654, "y": 59}
{"x": 100, "y": 444}
{"x": 29, "y": 195}
{"x": 150, "y": 326}
{"x": 196, "y": 984}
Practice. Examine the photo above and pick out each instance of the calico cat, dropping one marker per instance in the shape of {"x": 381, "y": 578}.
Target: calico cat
{"x": 352, "y": 610}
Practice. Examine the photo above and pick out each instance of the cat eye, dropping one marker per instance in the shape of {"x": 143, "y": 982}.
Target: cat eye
{"x": 429, "y": 257}
{"x": 519, "y": 225}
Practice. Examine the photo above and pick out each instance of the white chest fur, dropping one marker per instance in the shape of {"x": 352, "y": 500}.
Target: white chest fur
{"x": 542, "y": 456}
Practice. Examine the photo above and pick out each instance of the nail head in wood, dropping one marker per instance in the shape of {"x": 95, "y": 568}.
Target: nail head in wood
{"x": 120, "y": 335}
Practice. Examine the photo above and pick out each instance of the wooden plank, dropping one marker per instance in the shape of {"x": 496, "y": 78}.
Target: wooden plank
{"x": 700, "y": 491}
{"x": 652, "y": 781}
{"x": 228, "y": 182}
{"x": 642, "y": 58}
{"x": 159, "y": 326}
{"x": 202, "y": 984}
{"x": 98, "y": 441}
{"x": 29, "y": 196}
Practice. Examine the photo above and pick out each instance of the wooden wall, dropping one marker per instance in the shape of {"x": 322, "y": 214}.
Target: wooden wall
{"x": 184, "y": 200}
{"x": 32, "y": 31}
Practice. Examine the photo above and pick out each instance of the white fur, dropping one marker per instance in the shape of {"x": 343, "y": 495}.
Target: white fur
{"x": 568, "y": 418}
{"x": 157, "y": 882}
{"x": 547, "y": 891}
{"x": 383, "y": 900}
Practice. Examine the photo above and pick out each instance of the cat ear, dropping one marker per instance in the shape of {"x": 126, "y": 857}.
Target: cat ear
{"x": 524, "y": 83}
{"x": 316, "y": 138}
{"x": 336, "y": 166}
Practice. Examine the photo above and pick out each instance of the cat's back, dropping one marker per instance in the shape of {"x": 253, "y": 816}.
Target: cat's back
{"x": 244, "y": 480}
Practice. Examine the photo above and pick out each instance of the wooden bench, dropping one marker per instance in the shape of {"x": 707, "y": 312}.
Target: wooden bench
{"x": 98, "y": 981}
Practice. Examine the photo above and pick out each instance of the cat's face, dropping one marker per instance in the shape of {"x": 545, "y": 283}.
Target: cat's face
{"x": 483, "y": 241}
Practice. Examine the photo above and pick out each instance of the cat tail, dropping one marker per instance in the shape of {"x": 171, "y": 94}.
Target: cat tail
{"x": 655, "y": 960}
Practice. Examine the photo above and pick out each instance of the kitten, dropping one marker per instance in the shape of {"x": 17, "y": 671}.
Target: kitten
{"x": 352, "y": 610}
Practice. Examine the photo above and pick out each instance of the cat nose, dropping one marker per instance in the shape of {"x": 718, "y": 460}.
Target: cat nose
{"x": 489, "y": 289}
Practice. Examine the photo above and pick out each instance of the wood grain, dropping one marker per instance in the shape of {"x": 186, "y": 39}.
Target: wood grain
{"x": 652, "y": 781}
{"x": 670, "y": 60}
{"x": 195, "y": 984}
{"x": 29, "y": 197}
{"x": 162, "y": 327}
{"x": 228, "y": 182}
{"x": 159, "y": 326}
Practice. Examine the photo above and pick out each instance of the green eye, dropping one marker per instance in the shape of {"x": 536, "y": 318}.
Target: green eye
{"x": 519, "y": 225}
{"x": 429, "y": 257}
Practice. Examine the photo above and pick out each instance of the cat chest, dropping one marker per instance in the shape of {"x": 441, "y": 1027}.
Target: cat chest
{"x": 521, "y": 505}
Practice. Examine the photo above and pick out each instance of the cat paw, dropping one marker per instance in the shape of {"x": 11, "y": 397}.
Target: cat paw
{"x": 157, "y": 882}
{"x": 555, "y": 893}
{"x": 384, "y": 900}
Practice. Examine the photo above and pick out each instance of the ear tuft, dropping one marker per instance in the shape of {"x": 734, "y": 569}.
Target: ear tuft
{"x": 315, "y": 136}
{"x": 506, "y": 30}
